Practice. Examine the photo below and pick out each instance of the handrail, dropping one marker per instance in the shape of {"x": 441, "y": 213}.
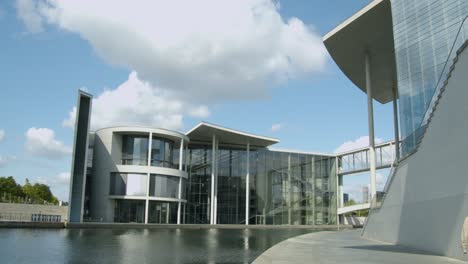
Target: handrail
{"x": 375, "y": 204}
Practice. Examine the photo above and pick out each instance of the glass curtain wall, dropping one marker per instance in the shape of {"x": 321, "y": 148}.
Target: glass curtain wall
{"x": 135, "y": 150}
{"x": 231, "y": 186}
{"x": 285, "y": 188}
{"x": 424, "y": 32}
{"x": 198, "y": 185}
{"x": 293, "y": 189}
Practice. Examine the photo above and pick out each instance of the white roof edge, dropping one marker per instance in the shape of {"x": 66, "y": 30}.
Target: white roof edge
{"x": 145, "y": 128}
{"x": 203, "y": 123}
{"x": 301, "y": 152}
{"x": 352, "y": 18}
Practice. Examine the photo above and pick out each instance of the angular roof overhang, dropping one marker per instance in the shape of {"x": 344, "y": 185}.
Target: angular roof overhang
{"x": 204, "y": 132}
{"x": 369, "y": 30}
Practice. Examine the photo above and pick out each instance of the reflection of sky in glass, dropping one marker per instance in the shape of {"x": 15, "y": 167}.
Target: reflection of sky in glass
{"x": 424, "y": 32}
{"x": 136, "y": 184}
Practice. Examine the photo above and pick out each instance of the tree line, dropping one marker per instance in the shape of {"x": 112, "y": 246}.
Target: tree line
{"x": 37, "y": 193}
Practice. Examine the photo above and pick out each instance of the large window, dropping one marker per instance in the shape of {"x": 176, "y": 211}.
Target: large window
{"x": 162, "y": 212}
{"x": 162, "y": 152}
{"x": 164, "y": 186}
{"x": 129, "y": 211}
{"x": 128, "y": 184}
{"x": 135, "y": 150}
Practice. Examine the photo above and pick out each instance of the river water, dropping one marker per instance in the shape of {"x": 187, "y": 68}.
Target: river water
{"x": 139, "y": 246}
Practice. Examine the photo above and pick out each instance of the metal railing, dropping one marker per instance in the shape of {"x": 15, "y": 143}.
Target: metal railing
{"x": 28, "y": 217}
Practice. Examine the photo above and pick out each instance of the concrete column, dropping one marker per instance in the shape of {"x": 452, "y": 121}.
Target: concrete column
{"x": 150, "y": 146}
{"x": 185, "y": 157}
{"x": 247, "y": 186}
{"x": 181, "y": 160}
{"x": 213, "y": 161}
{"x": 215, "y": 214}
{"x": 290, "y": 190}
{"x": 339, "y": 188}
{"x": 313, "y": 189}
{"x": 370, "y": 110}
{"x": 395, "y": 123}
{"x": 340, "y": 191}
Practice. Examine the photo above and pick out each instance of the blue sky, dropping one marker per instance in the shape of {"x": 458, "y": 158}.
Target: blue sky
{"x": 45, "y": 61}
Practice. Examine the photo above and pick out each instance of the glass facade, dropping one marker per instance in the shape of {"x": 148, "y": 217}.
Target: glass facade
{"x": 232, "y": 170}
{"x": 424, "y": 32}
{"x": 198, "y": 185}
{"x": 285, "y": 188}
{"x": 128, "y": 184}
{"x": 291, "y": 188}
{"x": 135, "y": 150}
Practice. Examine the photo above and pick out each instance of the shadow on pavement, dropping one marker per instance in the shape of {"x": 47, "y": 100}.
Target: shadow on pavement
{"x": 392, "y": 248}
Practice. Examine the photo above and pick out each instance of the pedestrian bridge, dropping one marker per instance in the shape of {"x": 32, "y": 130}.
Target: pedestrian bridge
{"x": 353, "y": 208}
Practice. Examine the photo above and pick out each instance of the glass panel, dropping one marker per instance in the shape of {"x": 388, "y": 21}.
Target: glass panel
{"x": 135, "y": 150}
{"x": 128, "y": 184}
{"x": 162, "y": 152}
{"x": 136, "y": 184}
{"x": 129, "y": 211}
{"x": 162, "y": 212}
{"x": 164, "y": 186}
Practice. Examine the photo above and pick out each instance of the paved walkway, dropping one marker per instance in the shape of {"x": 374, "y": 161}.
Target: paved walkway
{"x": 344, "y": 247}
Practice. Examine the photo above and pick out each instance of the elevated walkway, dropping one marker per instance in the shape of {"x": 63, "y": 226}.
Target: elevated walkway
{"x": 353, "y": 208}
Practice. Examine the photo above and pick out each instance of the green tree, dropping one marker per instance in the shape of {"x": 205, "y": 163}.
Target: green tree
{"x": 39, "y": 193}
{"x": 9, "y": 189}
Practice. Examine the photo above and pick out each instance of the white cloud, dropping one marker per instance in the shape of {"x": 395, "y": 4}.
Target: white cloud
{"x": 201, "y": 111}
{"x": 2, "y": 135}
{"x": 59, "y": 184}
{"x": 41, "y": 142}
{"x": 4, "y": 160}
{"x": 206, "y": 51}
{"x": 356, "y": 144}
{"x": 27, "y": 11}
{"x": 138, "y": 103}
{"x": 276, "y": 127}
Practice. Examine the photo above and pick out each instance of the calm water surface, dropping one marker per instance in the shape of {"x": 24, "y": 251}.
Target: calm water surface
{"x": 41, "y": 246}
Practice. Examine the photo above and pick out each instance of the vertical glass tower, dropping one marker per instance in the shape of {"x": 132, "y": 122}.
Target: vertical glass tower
{"x": 424, "y": 33}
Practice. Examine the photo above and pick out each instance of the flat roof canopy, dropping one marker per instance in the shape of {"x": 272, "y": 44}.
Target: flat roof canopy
{"x": 369, "y": 30}
{"x": 205, "y": 131}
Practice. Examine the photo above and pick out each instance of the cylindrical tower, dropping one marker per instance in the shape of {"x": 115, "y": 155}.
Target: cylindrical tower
{"x": 138, "y": 175}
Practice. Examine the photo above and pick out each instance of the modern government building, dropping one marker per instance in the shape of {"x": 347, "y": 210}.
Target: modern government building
{"x": 410, "y": 53}
{"x": 211, "y": 175}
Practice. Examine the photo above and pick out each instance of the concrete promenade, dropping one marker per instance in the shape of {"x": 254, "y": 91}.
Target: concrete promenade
{"x": 344, "y": 247}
